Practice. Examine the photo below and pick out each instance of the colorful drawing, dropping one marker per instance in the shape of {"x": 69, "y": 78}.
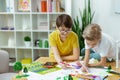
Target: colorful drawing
{"x": 24, "y": 5}
{"x": 39, "y": 68}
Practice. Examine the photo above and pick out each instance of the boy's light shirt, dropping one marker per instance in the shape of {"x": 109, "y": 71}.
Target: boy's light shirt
{"x": 106, "y": 48}
{"x": 66, "y": 47}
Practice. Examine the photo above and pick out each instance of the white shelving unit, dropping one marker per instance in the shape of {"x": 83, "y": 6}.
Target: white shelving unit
{"x": 15, "y": 24}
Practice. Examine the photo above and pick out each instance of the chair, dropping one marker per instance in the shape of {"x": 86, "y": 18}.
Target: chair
{"x": 4, "y": 66}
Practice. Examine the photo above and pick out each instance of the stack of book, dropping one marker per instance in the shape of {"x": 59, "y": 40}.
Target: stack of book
{"x": 55, "y": 6}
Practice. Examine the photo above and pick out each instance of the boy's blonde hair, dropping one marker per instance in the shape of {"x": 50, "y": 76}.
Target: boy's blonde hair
{"x": 92, "y": 32}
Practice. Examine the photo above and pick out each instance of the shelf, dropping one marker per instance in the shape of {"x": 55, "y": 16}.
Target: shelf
{"x": 11, "y": 63}
{"x": 9, "y": 47}
{"x": 40, "y": 30}
{"x": 7, "y": 30}
{"x": 40, "y": 48}
{"x": 23, "y": 30}
{"x": 24, "y": 47}
{"x": 22, "y": 12}
{"x": 6, "y": 12}
{"x": 34, "y": 20}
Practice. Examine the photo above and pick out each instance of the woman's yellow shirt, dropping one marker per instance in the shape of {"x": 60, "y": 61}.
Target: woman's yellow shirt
{"x": 65, "y": 48}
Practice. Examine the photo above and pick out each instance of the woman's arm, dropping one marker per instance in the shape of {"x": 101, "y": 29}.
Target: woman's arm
{"x": 74, "y": 56}
{"x": 58, "y": 57}
{"x": 101, "y": 63}
{"x": 56, "y": 54}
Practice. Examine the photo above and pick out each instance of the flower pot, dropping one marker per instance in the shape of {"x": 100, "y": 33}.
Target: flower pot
{"x": 27, "y": 43}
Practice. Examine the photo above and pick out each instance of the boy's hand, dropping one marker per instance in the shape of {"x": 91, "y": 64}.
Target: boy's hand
{"x": 83, "y": 69}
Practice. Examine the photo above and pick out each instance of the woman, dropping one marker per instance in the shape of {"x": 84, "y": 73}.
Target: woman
{"x": 64, "y": 42}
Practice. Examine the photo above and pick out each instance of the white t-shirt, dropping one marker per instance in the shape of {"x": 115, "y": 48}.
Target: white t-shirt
{"x": 106, "y": 47}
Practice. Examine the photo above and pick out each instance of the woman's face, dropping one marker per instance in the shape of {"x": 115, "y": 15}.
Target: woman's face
{"x": 64, "y": 31}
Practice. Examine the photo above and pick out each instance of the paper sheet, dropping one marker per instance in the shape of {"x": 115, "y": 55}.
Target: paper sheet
{"x": 62, "y": 73}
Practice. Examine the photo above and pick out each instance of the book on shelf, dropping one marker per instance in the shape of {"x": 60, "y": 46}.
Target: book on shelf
{"x": 50, "y": 5}
{"x": 53, "y": 5}
{"x": 23, "y": 5}
{"x": 43, "y": 6}
{"x": 56, "y": 6}
{"x": 9, "y": 6}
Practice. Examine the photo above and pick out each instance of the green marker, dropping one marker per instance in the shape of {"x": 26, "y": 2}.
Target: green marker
{"x": 70, "y": 77}
{"x": 112, "y": 71}
{"x": 58, "y": 78}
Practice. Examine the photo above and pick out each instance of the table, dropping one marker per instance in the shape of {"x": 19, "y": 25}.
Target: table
{"x": 47, "y": 59}
{"x": 113, "y": 77}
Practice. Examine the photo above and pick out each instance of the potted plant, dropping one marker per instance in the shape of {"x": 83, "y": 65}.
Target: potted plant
{"x": 27, "y": 41}
{"x": 18, "y": 67}
{"x": 86, "y": 17}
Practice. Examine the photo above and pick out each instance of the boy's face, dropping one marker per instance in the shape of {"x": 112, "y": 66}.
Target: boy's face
{"x": 92, "y": 44}
{"x": 64, "y": 31}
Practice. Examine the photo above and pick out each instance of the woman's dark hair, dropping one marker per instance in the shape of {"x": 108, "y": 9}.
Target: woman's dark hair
{"x": 65, "y": 20}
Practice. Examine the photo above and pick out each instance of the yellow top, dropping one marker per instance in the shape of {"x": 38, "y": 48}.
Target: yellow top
{"x": 65, "y": 48}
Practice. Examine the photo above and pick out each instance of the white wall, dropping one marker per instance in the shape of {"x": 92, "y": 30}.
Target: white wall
{"x": 104, "y": 15}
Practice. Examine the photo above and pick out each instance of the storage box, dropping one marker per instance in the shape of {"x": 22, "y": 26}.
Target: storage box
{"x": 26, "y": 61}
{"x": 43, "y": 25}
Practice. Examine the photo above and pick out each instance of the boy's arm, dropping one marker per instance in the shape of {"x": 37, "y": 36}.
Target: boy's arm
{"x": 101, "y": 63}
{"x": 74, "y": 56}
{"x": 87, "y": 55}
{"x": 86, "y": 60}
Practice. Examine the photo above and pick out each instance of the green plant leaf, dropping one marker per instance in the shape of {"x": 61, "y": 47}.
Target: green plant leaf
{"x": 27, "y": 38}
{"x": 17, "y": 66}
{"x": 79, "y": 24}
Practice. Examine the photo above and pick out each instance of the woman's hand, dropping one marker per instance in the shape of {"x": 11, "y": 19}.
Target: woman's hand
{"x": 63, "y": 65}
{"x": 78, "y": 63}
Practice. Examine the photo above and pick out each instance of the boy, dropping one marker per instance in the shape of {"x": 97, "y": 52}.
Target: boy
{"x": 64, "y": 42}
{"x": 100, "y": 43}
